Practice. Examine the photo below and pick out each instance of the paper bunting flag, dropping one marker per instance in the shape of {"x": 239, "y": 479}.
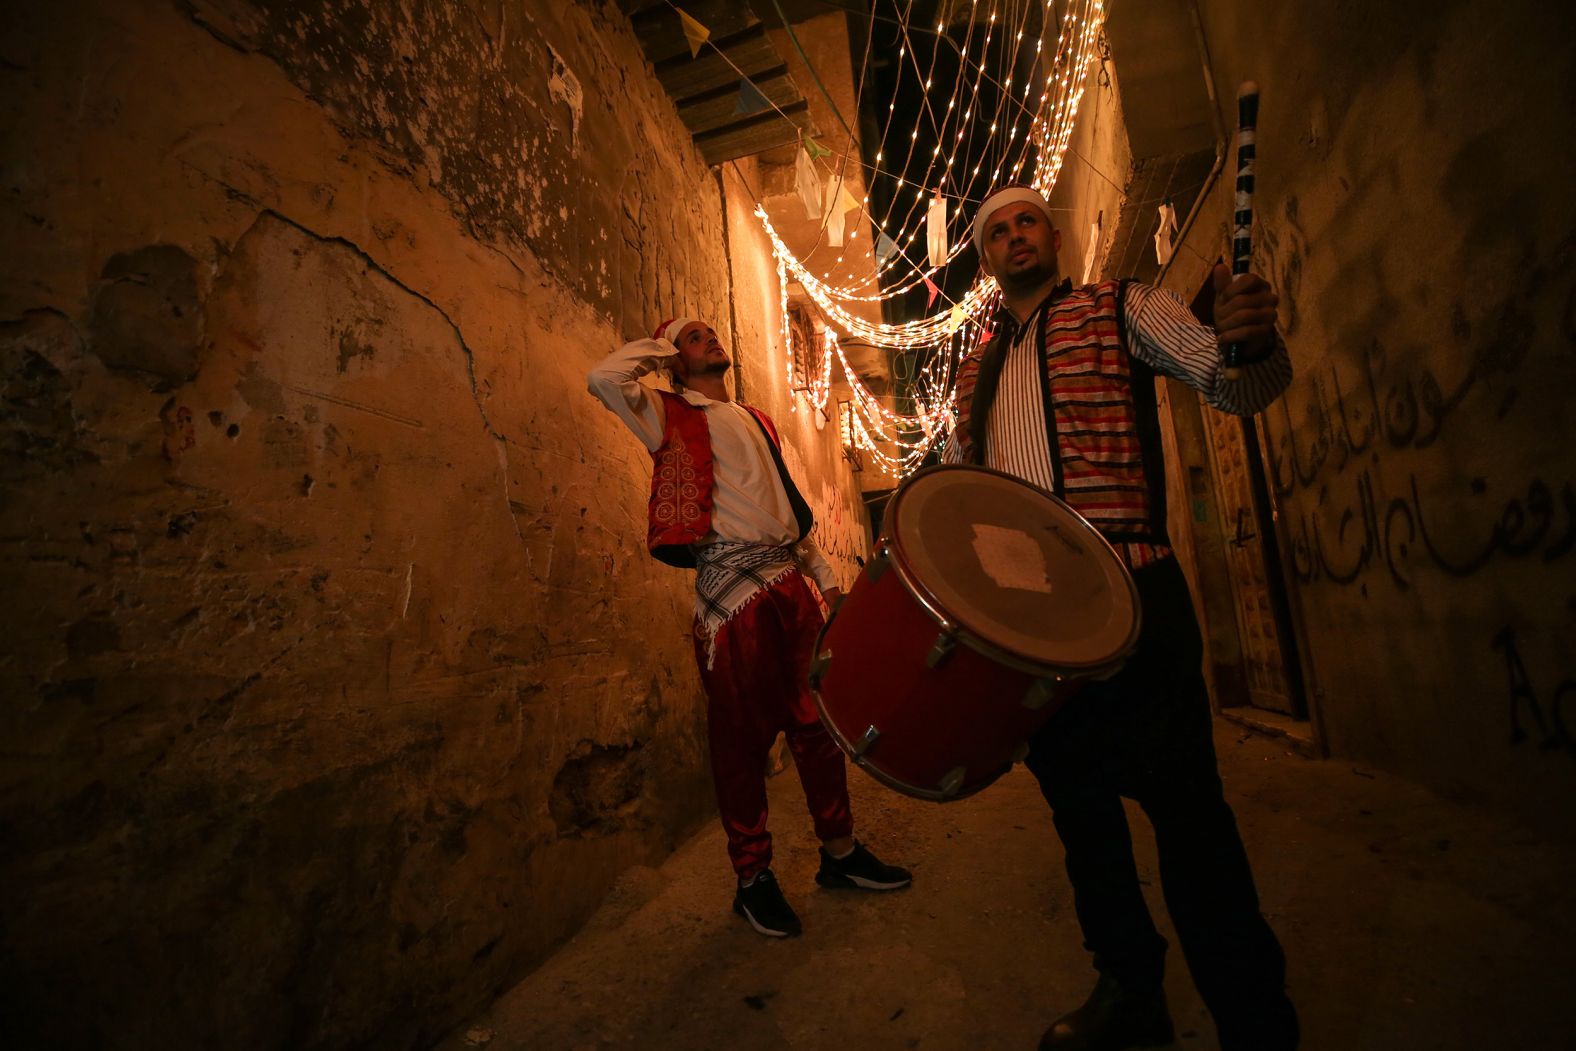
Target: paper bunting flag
{"x": 839, "y": 203}
{"x": 936, "y": 230}
{"x": 750, "y": 99}
{"x": 1166, "y": 235}
{"x": 1092, "y": 254}
{"x": 933, "y": 290}
{"x": 694, "y": 32}
{"x": 956, "y": 318}
{"x": 817, "y": 151}
{"x": 808, "y": 185}
{"x": 886, "y": 248}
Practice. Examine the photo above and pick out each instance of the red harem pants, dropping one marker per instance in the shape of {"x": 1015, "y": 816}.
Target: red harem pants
{"x": 757, "y": 686}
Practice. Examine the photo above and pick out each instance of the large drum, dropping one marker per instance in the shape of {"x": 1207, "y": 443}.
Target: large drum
{"x": 987, "y": 605}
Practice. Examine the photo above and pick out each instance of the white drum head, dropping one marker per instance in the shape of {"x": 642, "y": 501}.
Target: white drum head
{"x": 1013, "y": 566}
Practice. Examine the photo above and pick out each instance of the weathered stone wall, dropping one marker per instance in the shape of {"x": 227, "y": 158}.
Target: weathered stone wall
{"x": 337, "y": 684}
{"x": 1414, "y": 216}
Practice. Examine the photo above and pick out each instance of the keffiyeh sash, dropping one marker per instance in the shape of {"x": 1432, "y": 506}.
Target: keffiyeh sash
{"x": 728, "y": 576}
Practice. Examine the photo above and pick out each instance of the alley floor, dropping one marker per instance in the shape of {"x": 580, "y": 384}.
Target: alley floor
{"x": 1410, "y": 922}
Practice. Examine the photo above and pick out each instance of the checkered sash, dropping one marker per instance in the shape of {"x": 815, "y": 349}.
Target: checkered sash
{"x": 728, "y": 576}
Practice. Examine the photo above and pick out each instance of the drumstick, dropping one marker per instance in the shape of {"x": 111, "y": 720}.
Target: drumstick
{"x": 1242, "y": 219}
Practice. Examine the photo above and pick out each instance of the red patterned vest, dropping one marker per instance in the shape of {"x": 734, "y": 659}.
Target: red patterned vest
{"x": 1100, "y": 401}
{"x": 682, "y": 479}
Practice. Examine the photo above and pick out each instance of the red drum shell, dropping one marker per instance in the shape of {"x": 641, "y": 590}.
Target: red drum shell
{"x": 923, "y": 704}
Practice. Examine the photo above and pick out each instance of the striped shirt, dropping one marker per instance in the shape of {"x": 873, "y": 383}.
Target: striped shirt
{"x": 1102, "y": 469}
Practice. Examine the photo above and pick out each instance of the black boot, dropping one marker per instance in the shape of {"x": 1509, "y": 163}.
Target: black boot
{"x": 1112, "y": 1019}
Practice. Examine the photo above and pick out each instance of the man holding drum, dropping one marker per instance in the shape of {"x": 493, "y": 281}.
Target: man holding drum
{"x": 722, "y": 502}
{"x": 1063, "y": 398}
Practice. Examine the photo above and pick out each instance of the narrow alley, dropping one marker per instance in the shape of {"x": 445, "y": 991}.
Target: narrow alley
{"x": 1409, "y": 922}
{"x": 447, "y": 446}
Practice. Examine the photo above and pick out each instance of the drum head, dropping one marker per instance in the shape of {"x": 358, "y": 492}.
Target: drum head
{"x": 1013, "y": 566}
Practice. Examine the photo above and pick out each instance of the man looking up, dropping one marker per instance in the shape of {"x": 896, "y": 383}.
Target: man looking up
{"x": 723, "y": 503}
{"x": 1063, "y": 397}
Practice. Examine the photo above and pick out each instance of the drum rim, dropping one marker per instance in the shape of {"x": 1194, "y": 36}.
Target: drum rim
{"x": 892, "y": 550}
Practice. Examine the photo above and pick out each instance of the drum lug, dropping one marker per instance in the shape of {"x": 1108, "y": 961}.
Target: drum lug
{"x": 952, "y": 782}
{"x": 818, "y": 666}
{"x": 943, "y": 648}
{"x": 1040, "y": 694}
{"x": 877, "y": 566}
{"x": 862, "y": 745}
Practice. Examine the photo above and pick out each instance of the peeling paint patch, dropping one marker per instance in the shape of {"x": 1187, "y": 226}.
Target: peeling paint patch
{"x": 563, "y": 86}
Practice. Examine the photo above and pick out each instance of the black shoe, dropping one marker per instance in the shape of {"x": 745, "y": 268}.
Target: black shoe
{"x": 763, "y": 904}
{"x": 1112, "y": 1019}
{"x": 860, "y": 869}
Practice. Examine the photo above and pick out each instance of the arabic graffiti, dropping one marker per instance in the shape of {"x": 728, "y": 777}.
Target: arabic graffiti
{"x": 1350, "y": 429}
{"x": 1410, "y": 411}
{"x": 840, "y": 534}
{"x": 1378, "y": 531}
{"x": 1552, "y": 732}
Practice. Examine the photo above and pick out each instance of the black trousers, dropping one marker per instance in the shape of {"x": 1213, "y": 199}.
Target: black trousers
{"x": 1146, "y": 734}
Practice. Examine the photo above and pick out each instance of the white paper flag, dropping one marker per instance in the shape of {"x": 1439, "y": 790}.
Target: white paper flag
{"x": 1165, "y": 237}
{"x": 834, "y": 214}
{"x": 1092, "y": 253}
{"x": 839, "y": 202}
{"x": 808, "y": 185}
{"x": 936, "y": 230}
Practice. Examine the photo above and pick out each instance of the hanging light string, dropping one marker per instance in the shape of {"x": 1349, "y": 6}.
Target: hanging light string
{"x": 937, "y": 344}
{"x": 1047, "y": 137}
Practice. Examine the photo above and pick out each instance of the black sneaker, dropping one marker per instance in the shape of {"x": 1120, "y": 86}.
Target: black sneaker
{"x": 860, "y": 869}
{"x": 763, "y": 904}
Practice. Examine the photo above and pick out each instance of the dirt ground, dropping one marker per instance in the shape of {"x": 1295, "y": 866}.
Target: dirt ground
{"x": 1409, "y": 922}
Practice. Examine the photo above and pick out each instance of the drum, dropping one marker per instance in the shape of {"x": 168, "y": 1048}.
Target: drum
{"x": 987, "y": 605}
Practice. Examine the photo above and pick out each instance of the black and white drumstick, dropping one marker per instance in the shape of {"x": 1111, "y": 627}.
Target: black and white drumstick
{"x": 1242, "y": 218}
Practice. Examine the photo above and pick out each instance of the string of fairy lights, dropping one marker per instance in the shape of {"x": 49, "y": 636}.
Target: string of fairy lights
{"x": 1024, "y": 132}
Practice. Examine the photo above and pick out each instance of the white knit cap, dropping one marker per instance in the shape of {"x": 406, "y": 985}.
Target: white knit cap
{"x": 999, "y": 200}
{"x": 670, "y": 331}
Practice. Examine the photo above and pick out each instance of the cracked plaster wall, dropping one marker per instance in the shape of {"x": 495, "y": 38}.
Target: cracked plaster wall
{"x": 338, "y": 685}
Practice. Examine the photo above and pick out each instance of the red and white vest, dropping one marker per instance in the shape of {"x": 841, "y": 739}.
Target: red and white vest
{"x": 683, "y": 478}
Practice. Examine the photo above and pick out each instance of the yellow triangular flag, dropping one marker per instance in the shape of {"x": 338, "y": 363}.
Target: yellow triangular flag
{"x": 849, "y": 202}
{"x": 955, "y": 319}
{"x": 694, "y": 32}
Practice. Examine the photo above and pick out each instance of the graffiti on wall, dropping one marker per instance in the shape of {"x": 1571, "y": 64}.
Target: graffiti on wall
{"x": 1371, "y": 532}
{"x": 1549, "y": 721}
{"x": 1456, "y": 529}
{"x": 840, "y": 532}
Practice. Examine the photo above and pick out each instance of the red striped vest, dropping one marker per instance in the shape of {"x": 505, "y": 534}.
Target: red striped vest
{"x": 1100, "y": 401}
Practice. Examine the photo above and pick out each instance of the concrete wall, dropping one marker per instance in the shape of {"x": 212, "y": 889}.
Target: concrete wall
{"x": 337, "y": 685}
{"x": 1414, "y": 214}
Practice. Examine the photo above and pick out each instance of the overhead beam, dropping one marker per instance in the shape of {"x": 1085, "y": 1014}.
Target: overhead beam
{"x": 762, "y": 132}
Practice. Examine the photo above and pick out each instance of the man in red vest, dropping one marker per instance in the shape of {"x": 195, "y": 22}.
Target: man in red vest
{"x": 1063, "y": 397}
{"x": 723, "y": 503}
